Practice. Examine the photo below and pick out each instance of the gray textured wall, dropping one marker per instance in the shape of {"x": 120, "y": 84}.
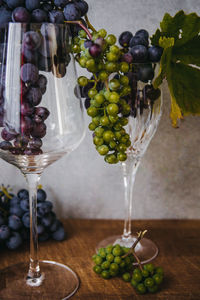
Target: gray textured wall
{"x": 167, "y": 182}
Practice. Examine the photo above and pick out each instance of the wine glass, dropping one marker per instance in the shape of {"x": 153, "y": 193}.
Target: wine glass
{"x": 142, "y": 124}
{"x": 37, "y": 80}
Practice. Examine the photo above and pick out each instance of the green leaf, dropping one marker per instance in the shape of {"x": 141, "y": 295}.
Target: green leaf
{"x": 156, "y": 37}
{"x": 170, "y": 26}
{"x": 188, "y": 53}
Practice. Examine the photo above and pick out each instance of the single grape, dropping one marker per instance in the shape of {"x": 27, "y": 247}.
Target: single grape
{"x": 82, "y": 6}
{"x": 139, "y": 53}
{"x": 125, "y": 38}
{"x": 14, "y": 222}
{"x": 31, "y": 5}
{"x": 29, "y": 73}
{"x": 61, "y": 3}
{"x": 24, "y": 204}
{"x": 32, "y": 40}
{"x": 155, "y": 53}
{"x": 95, "y": 50}
{"x": 38, "y": 130}
{"x": 14, "y": 241}
{"x": 141, "y": 288}
{"x": 138, "y": 40}
{"x": 21, "y": 15}
{"x": 7, "y": 136}
{"x": 56, "y": 16}
{"x": 143, "y": 33}
{"x": 72, "y": 12}
{"x": 126, "y": 277}
{"x": 39, "y": 16}
{"x": 4, "y": 232}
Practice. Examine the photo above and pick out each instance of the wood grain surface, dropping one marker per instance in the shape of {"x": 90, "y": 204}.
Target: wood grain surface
{"x": 179, "y": 254}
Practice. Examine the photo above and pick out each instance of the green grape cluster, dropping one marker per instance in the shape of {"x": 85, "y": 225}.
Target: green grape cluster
{"x": 109, "y": 262}
{"x": 148, "y": 279}
{"x": 108, "y": 109}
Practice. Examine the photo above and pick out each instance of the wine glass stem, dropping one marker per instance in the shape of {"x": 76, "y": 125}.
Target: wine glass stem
{"x": 34, "y": 267}
{"x": 129, "y": 168}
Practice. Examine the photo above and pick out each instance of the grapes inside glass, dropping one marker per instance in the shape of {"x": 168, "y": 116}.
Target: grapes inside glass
{"x": 146, "y": 104}
{"x": 42, "y": 120}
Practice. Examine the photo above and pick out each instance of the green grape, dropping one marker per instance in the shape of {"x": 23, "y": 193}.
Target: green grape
{"x": 90, "y": 63}
{"x": 112, "y": 144}
{"x": 137, "y": 271}
{"x": 111, "y": 39}
{"x": 112, "y": 109}
{"x": 92, "y": 92}
{"x": 97, "y": 269}
{"x": 104, "y": 121}
{"x": 107, "y": 94}
{"x": 113, "y": 119}
{"x": 124, "y": 121}
{"x": 99, "y": 98}
{"x": 149, "y": 267}
{"x": 121, "y": 147}
{"x": 111, "y": 66}
{"x": 127, "y": 260}
{"x": 134, "y": 283}
{"x": 117, "y": 126}
{"x": 126, "y": 90}
{"x": 124, "y": 67}
{"x": 99, "y": 131}
{"x": 122, "y": 264}
{"x": 76, "y": 48}
{"x": 103, "y": 75}
{"x": 114, "y": 84}
{"x": 83, "y": 81}
{"x": 117, "y": 251}
{"x": 145, "y": 273}
{"x": 103, "y": 149}
{"x": 118, "y": 135}
{"x": 92, "y": 111}
{"x": 149, "y": 282}
{"x": 141, "y": 288}
{"x": 159, "y": 270}
{"x": 137, "y": 277}
{"x": 94, "y": 103}
{"x": 108, "y": 136}
{"x": 109, "y": 249}
{"x": 111, "y": 159}
{"x": 121, "y": 156}
{"x": 105, "y": 265}
{"x": 114, "y": 267}
{"x": 110, "y": 257}
{"x": 112, "y": 57}
{"x": 117, "y": 260}
{"x": 82, "y": 61}
{"x": 100, "y": 67}
{"x": 82, "y": 34}
{"x": 105, "y": 274}
{"x": 96, "y": 120}
{"x": 98, "y": 141}
{"x": 126, "y": 277}
{"x": 102, "y": 252}
{"x": 124, "y": 80}
{"x": 76, "y": 40}
{"x": 115, "y": 49}
{"x": 92, "y": 126}
{"x": 98, "y": 260}
{"x": 87, "y": 54}
{"x": 102, "y": 33}
{"x": 158, "y": 278}
{"x": 113, "y": 274}
{"x": 126, "y": 109}
{"x": 94, "y": 257}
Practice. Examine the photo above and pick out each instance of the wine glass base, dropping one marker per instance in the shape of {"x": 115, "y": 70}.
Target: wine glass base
{"x": 146, "y": 250}
{"x": 59, "y": 282}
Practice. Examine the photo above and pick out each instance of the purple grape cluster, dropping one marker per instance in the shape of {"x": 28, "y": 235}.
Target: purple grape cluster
{"x": 15, "y": 219}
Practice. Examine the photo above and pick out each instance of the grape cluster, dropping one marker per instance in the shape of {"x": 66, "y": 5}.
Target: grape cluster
{"x": 15, "y": 219}
{"x": 39, "y": 52}
{"x": 114, "y": 91}
{"x": 148, "y": 279}
{"x": 109, "y": 262}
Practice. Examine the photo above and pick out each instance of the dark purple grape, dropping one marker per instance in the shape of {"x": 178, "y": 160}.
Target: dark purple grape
{"x": 47, "y": 7}
{"x": 4, "y": 232}
{"x": 29, "y": 73}
{"x": 14, "y": 241}
{"x": 15, "y": 200}
{"x": 24, "y": 89}
{"x": 42, "y": 112}
{"x": 143, "y": 33}
{"x": 32, "y": 40}
{"x": 5, "y": 145}
{"x": 47, "y": 220}
{"x": 35, "y": 143}
{"x": 61, "y": 3}
{"x": 39, "y": 16}
{"x": 56, "y": 16}
{"x": 101, "y": 42}
{"x": 39, "y": 130}
{"x": 5, "y": 17}
{"x": 138, "y": 40}
{"x": 34, "y": 96}
{"x": 32, "y": 4}
{"x": 14, "y": 222}
{"x": 155, "y": 53}
{"x": 21, "y": 141}
{"x": 26, "y": 125}
{"x": 95, "y": 50}
{"x": 151, "y": 93}
{"x": 88, "y": 43}
{"x": 30, "y": 56}
{"x": 59, "y": 234}
{"x": 27, "y": 109}
{"x": 26, "y": 220}
{"x": 23, "y": 194}
{"x": 7, "y": 136}
{"x": 139, "y": 53}
{"x": 42, "y": 83}
{"x": 41, "y": 195}
{"x": 55, "y": 225}
{"x": 21, "y": 15}
{"x": 125, "y": 38}
{"x": 72, "y": 12}
{"x": 44, "y": 236}
{"x": 24, "y": 204}
{"x": 40, "y": 229}
{"x": 14, "y": 3}
{"x": 87, "y": 103}
{"x": 146, "y": 73}
{"x": 127, "y": 57}
{"x": 83, "y": 7}
{"x": 44, "y": 208}
{"x": 16, "y": 210}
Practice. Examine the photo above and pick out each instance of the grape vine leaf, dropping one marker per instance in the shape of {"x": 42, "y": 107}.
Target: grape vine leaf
{"x": 180, "y": 62}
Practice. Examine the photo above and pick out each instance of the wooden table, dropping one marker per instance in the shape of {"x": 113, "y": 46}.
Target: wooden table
{"x": 179, "y": 245}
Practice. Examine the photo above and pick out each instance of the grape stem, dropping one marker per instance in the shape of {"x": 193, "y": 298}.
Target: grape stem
{"x": 89, "y": 24}
{"x": 106, "y": 84}
{"x": 132, "y": 249}
{"x": 82, "y": 26}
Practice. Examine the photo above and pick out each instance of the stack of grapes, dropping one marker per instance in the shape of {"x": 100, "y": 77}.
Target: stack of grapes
{"x": 15, "y": 219}
{"x": 121, "y": 83}
{"x": 44, "y": 48}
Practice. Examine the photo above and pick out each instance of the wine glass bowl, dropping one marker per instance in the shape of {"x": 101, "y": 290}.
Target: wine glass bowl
{"x": 41, "y": 120}
{"x": 146, "y": 109}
